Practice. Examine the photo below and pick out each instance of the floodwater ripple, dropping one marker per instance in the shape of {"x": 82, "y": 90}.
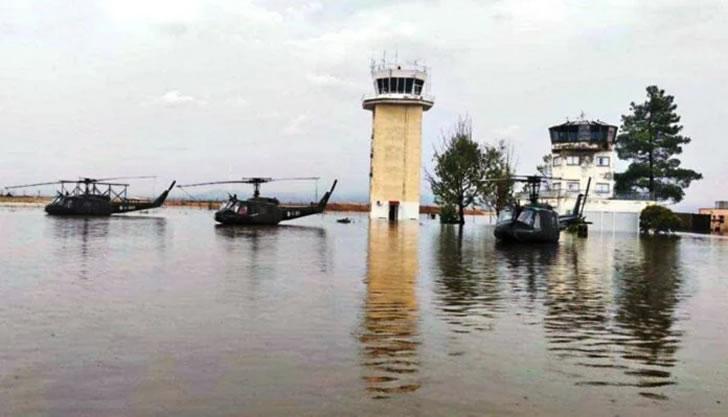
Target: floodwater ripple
{"x": 171, "y": 315}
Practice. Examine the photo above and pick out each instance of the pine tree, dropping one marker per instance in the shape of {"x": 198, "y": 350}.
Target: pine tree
{"x": 650, "y": 138}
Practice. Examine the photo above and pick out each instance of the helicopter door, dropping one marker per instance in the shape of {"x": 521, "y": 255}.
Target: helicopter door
{"x": 393, "y": 211}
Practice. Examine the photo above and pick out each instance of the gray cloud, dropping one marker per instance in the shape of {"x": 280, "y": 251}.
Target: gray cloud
{"x": 274, "y": 88}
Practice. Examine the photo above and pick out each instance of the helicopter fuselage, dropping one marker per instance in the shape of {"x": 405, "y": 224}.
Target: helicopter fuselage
{"x": 266, "y": 211}
{"x": 80, "y": 205}
{"x": 528, "y": 224}
{"x": 95, "y": 204}
{"x": 262, "y": 211}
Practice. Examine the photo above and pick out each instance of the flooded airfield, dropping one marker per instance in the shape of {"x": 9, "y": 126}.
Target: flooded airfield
{"x": 171, "y": 315}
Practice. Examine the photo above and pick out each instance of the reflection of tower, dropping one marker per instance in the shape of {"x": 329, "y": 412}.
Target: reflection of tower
{"x": 390, "y": 336}
{"x": 397, "y": 106}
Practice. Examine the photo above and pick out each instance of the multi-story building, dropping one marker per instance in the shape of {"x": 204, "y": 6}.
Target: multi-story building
{"x": 397, "y": 106}
{"x": 584, "y": 149}
{"x": 581, "y": 150}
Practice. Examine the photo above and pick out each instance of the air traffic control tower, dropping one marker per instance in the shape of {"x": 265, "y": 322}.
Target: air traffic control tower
{"x": 400, "y": 97}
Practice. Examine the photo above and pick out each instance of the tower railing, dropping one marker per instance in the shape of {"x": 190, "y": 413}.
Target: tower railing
{"x": 398, "y": 96}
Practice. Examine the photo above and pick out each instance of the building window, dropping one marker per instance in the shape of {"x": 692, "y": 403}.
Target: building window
{"x": 418, "y": 86}
{"x": 602, "y": 188}
{"x": 603, "y": 161}
{"x": 556, "y": 186}
{"x": 721, "y": 219}
{"x": 572, "y": 160}
{"x": 409, "y": 82}
{"x": 573, "y": 186}
{"x": 556, "y": 161}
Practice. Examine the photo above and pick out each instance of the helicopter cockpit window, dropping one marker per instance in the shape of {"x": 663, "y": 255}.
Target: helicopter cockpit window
{"x": 537, "y": 220}
{"x": 526, "y": 217}
{"x": 505, "y": 216}
{"x": 243, "y": 209}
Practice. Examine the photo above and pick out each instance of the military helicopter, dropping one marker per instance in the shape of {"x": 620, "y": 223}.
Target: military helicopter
{"x": 538, "y": 222}
{"x": 95, "y": 197}
{"x": 262, "y": 210}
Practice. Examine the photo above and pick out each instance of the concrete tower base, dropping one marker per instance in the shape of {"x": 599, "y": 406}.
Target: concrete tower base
{"x": 404, "y": 210}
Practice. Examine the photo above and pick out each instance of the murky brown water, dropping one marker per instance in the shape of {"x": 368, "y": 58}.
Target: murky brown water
{"x": 170, "y": 315}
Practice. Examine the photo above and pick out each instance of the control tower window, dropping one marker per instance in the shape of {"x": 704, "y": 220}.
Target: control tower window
{"x": 401, "y": 85}
{"x": 418, "y": 87}
{"x": 408, "y": 85}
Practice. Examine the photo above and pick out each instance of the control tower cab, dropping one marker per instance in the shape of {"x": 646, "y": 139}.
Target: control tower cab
{"x": 400, "y": 97}
{"x": 582, "y": 149}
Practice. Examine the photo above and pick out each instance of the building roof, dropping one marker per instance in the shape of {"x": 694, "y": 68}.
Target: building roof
{"x": 582, "y": 122}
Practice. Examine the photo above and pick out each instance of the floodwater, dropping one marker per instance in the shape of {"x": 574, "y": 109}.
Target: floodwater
{"x": 166, "y": 314}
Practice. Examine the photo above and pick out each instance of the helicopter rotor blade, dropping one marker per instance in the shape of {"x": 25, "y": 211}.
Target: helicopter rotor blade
{"x": 10, "y": 187}
{"x": 527, "y": 178}
{"x": 138, "y": 177}
{"x": 250, "y": 180}
{"x": 296, "y": 179}
{"x": 212, "y": 183}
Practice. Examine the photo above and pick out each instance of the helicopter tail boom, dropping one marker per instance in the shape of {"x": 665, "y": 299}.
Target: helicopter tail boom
{"x": 325, "y": 199}
{"x": 127, "y": 205}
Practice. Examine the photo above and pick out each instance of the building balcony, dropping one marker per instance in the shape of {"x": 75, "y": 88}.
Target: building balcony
{"x": 369, "y": 101}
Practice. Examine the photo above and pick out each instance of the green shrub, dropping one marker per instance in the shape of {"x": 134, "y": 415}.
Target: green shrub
{"x": 448, "y": 214}
{"x": 658, "y": 219}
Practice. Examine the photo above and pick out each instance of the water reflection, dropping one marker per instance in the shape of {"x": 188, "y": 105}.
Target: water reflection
{"x": 75, "y": 235}
{"x": 467, "y": 287}
{"x": 390, "y": 335}
{"x": 527, "y": 268}
{"x": 84, "y": 242}
{"x": 621, "y": 335}
{"x": 260, "y": 240}
{"x": 607, "y": 307}
{"x": 577, "y": 302}
{"x": 647, "y": 296}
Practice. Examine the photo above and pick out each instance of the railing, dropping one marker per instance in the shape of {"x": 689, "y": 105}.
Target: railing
{"x": 398, "y": 96}
{"x": 564, "y": 194}
{"x": 633, "y": 196}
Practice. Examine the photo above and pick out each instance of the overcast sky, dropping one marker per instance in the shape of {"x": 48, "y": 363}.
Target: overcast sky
{"x": 198, "y": 90}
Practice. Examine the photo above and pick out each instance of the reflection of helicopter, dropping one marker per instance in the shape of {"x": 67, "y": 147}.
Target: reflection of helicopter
{"x": 263, "y": 210}
{"x": 538, "y": 222}
{"x": 96, "y": 197}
